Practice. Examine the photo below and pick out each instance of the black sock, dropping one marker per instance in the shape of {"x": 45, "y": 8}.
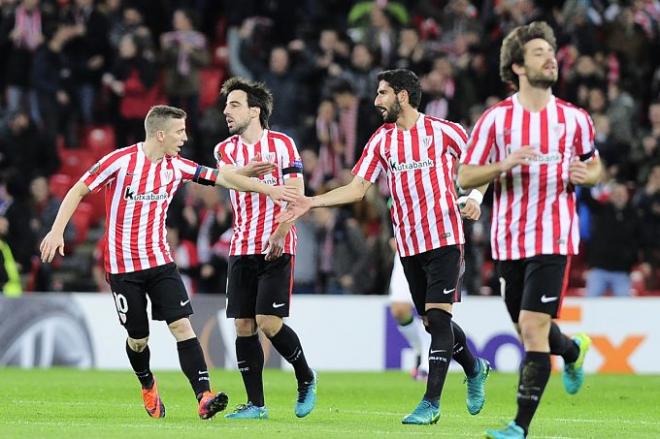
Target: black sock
{"x": 533, "y": 378}
{"x": 462, "y": 353}
{"x": 250, "y": 357}
{"x": 286, "y": 342}
{"x": 140, "y": 364}
{"x": 562, "y": 345}
{"x": 442, "y": 341}
{"x": 193, "y": 365}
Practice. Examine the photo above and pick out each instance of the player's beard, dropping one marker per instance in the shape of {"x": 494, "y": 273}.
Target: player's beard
{"x": 239, "y": 128}
{"x": 392, "y": 113}
{"x": 541, "y": 80}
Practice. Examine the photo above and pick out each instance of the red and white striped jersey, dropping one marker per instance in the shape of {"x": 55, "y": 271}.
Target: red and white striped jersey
{"x": 420, "y": 165}
{"x": 137, "y": 195}
{"x": 254, "y": 214}
{"x": 534, "y": 205}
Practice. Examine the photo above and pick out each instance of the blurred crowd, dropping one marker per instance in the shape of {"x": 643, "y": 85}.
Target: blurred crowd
{"x": 78, "y": 76}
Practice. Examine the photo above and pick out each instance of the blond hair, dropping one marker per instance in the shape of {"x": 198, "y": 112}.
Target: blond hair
{"x": 158, "y": 115}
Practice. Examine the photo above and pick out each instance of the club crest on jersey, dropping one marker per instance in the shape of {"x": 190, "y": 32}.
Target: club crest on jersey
{"x": 268, "y": 157}
{"x": 410, "y": 166}
{"x": 560, "y": 129}
{"x": 426, "y": 142}
{"x": 131, "y": 195}
{"x": 169, "y": 175}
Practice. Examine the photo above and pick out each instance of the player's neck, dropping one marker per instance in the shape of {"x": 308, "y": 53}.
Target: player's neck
{"x": 252, "y": 134}
{"x": 152, "y": 150}
{"x": 407, "y": 118}
{"x": 533, "y": 98}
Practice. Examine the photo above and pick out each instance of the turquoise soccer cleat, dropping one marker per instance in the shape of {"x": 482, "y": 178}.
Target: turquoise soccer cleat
{"x": 476, "y": 387}
{"x": 512, "y": 431}
{"x": 248, "y": 411}
{"x": 424, "y": 414}
{"x": 573, "y": 377}
{"x": 307, "y": 397}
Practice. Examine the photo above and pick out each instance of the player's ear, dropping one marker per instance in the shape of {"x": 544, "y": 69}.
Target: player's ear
{"x": 518, "y": 69}
{"x": 403, "y": 96}
{"x": 255, "y": 112}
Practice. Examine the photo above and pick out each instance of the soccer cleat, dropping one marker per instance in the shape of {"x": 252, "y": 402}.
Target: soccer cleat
{"x": 307, "y": 397}
{"x": 424, "y": 414}
{"x": 476, "y": 387}
{"x": 210, "y": 404}
{"x": 573, "y": 377}
{"x": 512, "y": 431}
{"x": 152, "y": 402}
{"x": 248, "y": 411}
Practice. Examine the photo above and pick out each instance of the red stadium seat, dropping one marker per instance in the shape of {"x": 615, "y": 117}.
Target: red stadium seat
{"x": 97, "y": 201}
{"x": 75, "y": 162}
{"x": 210, "y": 87}
{"x": 81, "y": 221}
{"x": 59, "y": 185}
{"x": 99, "y": 139}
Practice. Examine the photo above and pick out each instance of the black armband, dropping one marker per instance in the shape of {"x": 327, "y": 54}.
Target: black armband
{"x": 205, "y": 176}
{"x": 295, "y": 167}
{"x": 587, "y": 156}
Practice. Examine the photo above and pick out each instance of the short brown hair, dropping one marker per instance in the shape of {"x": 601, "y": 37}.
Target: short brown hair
{"x": 158, "y": 115}
{"x": 258, "y": 96}
{"x": 513, "y": 52}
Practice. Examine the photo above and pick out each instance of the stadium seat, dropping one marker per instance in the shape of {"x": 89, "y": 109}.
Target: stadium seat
{"x": 81, "y": 220}
{"x": 210, "y": 80}
{"x": 99, "y": 139}
{"x": 97, "y": 201}
{"x": 75, "y": 162}
{"x": 59, "y": 184}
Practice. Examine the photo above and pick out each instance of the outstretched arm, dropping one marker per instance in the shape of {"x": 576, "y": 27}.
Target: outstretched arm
{"x": 231, "y": 179}
{"x": 54, "y": 240}
{"x": 350, "y": 193}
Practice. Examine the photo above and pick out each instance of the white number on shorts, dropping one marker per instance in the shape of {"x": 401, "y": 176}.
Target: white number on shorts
{"x": 120, "y": 302}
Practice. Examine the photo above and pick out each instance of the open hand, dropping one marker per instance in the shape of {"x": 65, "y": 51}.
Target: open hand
{"x": 295, "y": 209}
{"x": 50, "y": 245}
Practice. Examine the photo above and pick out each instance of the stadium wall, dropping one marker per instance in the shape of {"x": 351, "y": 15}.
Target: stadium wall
{"x": 337, "y": 332}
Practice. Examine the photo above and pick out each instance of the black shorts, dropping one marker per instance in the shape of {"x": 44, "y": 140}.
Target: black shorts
{"x": 434, "y": 276}
{"x": 169, "y": 299}
{"x": 533, "y": 284}
{"x": 256, "y": 286}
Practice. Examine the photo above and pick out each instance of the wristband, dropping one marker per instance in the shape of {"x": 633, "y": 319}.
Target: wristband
{"x": 476, "y": 196}
{"x": 473, "y": 195}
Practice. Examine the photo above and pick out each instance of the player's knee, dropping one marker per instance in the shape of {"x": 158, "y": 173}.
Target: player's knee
{"x": 137, "y": 344}
{"x": 269, "y": 325}
{"x": 245, "y": 327}
{"x": 181, "y": 329}
{"x": 401, "y": 312}
{"x": 534, "y": 331}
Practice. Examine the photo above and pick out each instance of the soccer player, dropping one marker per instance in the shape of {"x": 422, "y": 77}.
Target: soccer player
{"x": 140, "y": 182}
{"x": 261, "y": 255}
{"x": 418, "y": 153}
{"x": 536, "y": 148}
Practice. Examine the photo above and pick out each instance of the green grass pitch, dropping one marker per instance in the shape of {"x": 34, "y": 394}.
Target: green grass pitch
{"x": 64, "y": 403}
